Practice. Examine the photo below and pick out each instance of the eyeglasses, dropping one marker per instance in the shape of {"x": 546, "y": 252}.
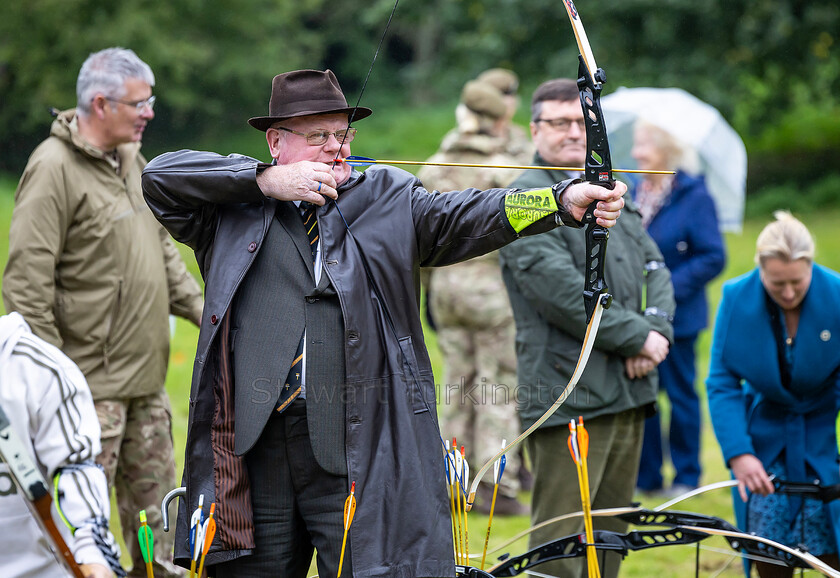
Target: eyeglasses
{"x": 140, "y": 105}
{"x": 320, "y": 137}
{"x": 563, "y": 124}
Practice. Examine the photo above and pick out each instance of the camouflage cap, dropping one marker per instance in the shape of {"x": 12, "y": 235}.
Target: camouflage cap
{"x": 503, "y": 79}
{"x": 483, "y": 98}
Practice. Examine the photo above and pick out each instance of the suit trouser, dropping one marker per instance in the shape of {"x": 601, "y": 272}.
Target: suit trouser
{"x": 676, "y": 377}
{"x": 298, "y": 507}
{"x": 614, "y": 445}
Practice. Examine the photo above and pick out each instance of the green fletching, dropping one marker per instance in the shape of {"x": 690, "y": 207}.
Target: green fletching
{"x": 146, "y": 538}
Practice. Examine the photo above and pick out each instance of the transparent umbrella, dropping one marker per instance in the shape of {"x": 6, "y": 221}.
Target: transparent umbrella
{"x": 722, "y": 155}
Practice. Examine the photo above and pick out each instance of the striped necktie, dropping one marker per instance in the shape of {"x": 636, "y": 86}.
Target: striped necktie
{"x": 292, "y": 389}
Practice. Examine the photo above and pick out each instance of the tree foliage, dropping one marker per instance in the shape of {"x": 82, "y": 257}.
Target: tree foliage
{"x": 210, "y": 60}
{"x": 758, "y": 61}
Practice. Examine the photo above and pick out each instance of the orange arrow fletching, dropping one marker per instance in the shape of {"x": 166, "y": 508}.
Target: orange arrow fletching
{"x": 583, "y": 439}
{"x": 211, "y": 530}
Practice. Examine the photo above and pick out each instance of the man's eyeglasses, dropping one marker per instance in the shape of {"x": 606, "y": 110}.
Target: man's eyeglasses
{"x": 320, "y": 137}
{"x": 563, "y": 124}
{"x": 140, "y": 105}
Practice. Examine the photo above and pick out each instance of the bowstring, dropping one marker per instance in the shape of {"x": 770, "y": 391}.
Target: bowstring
{"x": 367, "y": 77}
{"x": 462, "y": 484}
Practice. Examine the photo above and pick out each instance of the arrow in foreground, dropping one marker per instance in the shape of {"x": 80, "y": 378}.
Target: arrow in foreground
{"x": 498, "y": 470}
{"x": 147, "y": 544}
{"x": 195, "y": 529}
{"x": 209, "y": 533}
{"x": 349, "y": 512}
{"x": 579, "y": 448}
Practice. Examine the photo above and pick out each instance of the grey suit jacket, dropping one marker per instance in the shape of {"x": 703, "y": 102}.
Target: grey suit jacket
{"x": 275, "y": 302}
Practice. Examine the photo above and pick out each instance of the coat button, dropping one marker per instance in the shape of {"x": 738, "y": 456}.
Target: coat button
{"x": 252, "y": 247}
{"x": 311, "y": 299}
{"x": 214, "y": 319}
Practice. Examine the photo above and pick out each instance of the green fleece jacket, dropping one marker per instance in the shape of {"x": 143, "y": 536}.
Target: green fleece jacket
{"x": 90, "y": 269}
{"x": 544, "y": 277}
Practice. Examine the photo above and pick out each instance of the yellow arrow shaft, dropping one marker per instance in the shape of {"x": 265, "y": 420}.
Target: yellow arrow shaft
{"x": 486, "y": 166}
{"x": 489, "y": 524}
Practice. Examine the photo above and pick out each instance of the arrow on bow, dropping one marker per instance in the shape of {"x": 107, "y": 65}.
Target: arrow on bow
{"x": 598, "y": 171}
{"x": 357, "y": 161}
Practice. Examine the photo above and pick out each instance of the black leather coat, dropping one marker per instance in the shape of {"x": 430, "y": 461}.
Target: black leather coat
{"x": 394, "y": 452}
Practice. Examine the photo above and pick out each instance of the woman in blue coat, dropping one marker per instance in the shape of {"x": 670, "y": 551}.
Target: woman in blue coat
{"x": 679, "y": 214}
{"x": 773, "y": 390}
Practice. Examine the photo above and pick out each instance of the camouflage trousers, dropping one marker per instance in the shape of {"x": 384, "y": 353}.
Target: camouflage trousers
{"x": 138, "y": 457}
{"x": 476, "y": 335}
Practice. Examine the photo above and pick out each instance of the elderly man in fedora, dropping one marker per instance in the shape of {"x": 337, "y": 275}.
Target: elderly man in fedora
{"x": 311, "y": 372}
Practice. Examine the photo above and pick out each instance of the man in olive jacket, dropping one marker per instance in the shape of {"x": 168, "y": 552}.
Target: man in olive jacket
{"x": 544, "y": 276}
{"x": 279, "y": 466}
{"x": 93, "y": 273}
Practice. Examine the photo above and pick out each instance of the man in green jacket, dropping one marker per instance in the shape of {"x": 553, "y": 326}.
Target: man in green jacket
{"x": 544, "y": 276}
{"x": 93, "y": 273}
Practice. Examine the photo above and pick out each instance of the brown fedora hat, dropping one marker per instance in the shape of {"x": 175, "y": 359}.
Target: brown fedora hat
{"x": 302, "y": 93}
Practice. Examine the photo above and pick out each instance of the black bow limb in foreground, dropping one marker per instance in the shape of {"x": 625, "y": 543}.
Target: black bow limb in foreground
{"x": 677, "y": 528}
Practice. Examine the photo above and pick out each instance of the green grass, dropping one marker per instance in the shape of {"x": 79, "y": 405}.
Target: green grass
{"x": 665, "y": 562}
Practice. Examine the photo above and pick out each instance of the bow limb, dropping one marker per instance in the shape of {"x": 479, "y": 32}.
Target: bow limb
{"x": 586, "y": 350}
{"x": 751, "y": 545}
{"x": 462, "y": 571}
{"x": 781, "y": 486}
{"x": 737, "y": 540}
{"x": 695, "y": 492}
{"x": 576, "y": 545}
{"x": 620, "y": 511}
{"x": 606, "y": 512}
{"x": 678, "y": 528}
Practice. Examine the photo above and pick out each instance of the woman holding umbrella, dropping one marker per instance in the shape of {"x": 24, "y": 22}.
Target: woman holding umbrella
{"x": 773, "y": 389}
{"x": 680, "y": 216}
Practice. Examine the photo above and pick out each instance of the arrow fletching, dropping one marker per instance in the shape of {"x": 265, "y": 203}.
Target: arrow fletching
{"x": 195, "y": 523}
{"x": 502, "y": 462}
{"x": 209, "y": 530}
{"x": 350, "y": 506}
{"x": 199, "y": 540}
{"x": 499, "y": 466}
{"x": 357, "y": 161}
{"x": 574, "y": 449}
{"x": 464, "y": 469}
{"x": 583, "y": 438}
{"x": 146, "y": 539}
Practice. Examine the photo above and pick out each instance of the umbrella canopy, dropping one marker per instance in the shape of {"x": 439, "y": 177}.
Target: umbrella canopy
{"x": 721, "y": 152}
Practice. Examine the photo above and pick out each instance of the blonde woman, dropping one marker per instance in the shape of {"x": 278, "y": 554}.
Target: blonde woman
{"x": 773, "y": 390}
